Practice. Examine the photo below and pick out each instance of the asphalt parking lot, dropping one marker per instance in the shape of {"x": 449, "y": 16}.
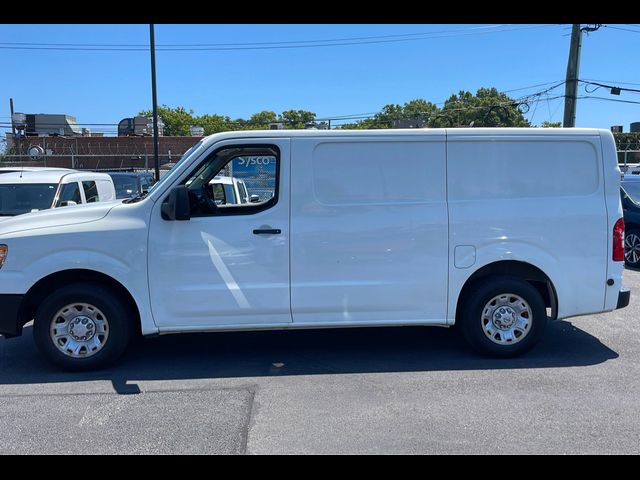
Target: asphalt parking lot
{"x": 402, "y": 390}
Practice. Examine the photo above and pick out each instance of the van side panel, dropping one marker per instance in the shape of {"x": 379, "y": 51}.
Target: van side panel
{"x": 536, "y": 199}
{"x": 369, "y": 230}
{"x": 612, "y": 175}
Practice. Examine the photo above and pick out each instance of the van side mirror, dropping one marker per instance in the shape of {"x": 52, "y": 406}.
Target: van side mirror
{"x": 177, "y": 206}
{"x": 254, "y": 199}
{"x": 68, "y": 203}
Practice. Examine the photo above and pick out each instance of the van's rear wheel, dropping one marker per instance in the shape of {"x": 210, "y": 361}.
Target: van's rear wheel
{"x": 82, "y": 327}
{"x": 503, "y": 316}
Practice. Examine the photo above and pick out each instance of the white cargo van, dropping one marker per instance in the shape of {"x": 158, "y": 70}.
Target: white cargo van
{"x": 493, "y": 230}
{"x": 34, "y": 189}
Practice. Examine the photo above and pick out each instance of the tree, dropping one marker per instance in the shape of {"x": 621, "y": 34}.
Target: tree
{"x": 261, "y": 120}
{"x": 418, "y": 109}
{"x": 547, "y": 124}
{"x": 213, "y": 123}
{"x": 297, "y": 118}
{"x": 487, "y": 108}
{"x": 176, "y": 120}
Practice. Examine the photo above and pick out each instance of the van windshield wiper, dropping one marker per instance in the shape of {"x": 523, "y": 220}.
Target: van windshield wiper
{"x": 137, "y": 198}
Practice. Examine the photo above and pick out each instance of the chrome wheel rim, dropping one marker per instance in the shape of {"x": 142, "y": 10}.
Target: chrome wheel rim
{"x": 506, "y": 319}
{"x": 632, "y": 248}
{"x": 79, "y": 330}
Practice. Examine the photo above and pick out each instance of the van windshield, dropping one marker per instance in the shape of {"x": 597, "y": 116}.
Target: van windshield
{"x": 632, "y": 189}
{"x": 25, "y": 198}
{"x": 126, "y": 186}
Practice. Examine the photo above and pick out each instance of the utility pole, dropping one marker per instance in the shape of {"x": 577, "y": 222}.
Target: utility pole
{"x": 571, "y": 85}
{"x": 13, "y": 127}
{"x": 152, "y": 45}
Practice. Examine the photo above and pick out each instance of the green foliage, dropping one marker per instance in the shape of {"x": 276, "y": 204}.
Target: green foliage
{"x": 212, "y": 123}
{"x": 176, "y": 120}
{"x": 417, "y": 109}
{"x": 547, "y": 124}
{"x": 487, "y": 108}
{"x": 297, "y": 118}
{"x": 261, "y": 120}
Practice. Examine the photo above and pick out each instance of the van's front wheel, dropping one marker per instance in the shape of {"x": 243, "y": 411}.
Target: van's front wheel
{"x": 82, "y": 327}
{"x": 503, "y": 317}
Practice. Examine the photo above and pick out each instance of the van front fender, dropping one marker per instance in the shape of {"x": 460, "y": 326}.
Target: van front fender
{"x": 131, "y": 276}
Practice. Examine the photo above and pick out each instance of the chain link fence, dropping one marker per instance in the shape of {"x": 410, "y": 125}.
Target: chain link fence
{"x": 257, "y": 172}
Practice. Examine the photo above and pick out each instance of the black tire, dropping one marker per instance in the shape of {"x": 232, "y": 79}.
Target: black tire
{"x": 101, "y": 297}
{"x": 471, "y": 316}
{"x": 628, "y": 239}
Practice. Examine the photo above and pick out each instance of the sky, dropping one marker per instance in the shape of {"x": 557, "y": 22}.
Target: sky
{"x": 369, "y": 67}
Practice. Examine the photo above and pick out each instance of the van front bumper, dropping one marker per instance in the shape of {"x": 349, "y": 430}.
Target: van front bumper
{"x": 10, "y": 325}
{"x": 623, "y": 298}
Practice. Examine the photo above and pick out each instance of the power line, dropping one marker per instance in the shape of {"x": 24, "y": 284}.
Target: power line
{"x": 618, "y": 100}
{"x": 611, "y": 81}
{"x": 425, "y": 36}
{"x": 532, "y": 86}
{"x": 624, "y": 29}
{"x": 602, "y": 85}
{"x": 247, "y": 43}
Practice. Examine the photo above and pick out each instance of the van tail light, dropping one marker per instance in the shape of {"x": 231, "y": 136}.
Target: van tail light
{"x": 618, "y": 241}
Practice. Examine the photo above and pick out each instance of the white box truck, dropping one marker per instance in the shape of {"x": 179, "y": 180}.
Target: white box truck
{"x": 494, "y": 231}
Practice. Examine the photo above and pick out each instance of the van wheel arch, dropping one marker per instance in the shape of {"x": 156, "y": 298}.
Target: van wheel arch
{"x": 47, "y": 285}
{"x": 513, "y": 268}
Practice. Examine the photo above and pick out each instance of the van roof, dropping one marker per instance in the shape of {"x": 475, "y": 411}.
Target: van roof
{"x": 50, "y": 176}
{"x": 409, "y": 132}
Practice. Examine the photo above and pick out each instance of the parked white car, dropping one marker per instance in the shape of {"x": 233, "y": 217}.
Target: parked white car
{"x": 27, "y": 191}
{"x": 491, "y": 230}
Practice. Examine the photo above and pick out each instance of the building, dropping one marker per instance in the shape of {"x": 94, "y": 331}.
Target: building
{"x": 94, "y": 153}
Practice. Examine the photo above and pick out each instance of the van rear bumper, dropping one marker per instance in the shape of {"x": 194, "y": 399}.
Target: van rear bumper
{"x": 10, "y": 325}
{"x": 623, "y": 298}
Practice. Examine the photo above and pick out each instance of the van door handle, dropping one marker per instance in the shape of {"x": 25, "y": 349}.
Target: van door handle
{"x": 267, "y": 231}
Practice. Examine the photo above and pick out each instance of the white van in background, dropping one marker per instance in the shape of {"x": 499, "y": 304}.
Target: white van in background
{"x": 494, "y": 231}
{"x": 33, "y": 169}
{"x": 230, "y": 191}
{"x": 31, "y": 190}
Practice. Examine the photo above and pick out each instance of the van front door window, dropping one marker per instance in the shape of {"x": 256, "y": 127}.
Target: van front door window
{"x": 212, "y": 188}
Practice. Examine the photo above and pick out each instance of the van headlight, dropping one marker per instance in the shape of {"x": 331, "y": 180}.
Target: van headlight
{"x": 4, "y": 250}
